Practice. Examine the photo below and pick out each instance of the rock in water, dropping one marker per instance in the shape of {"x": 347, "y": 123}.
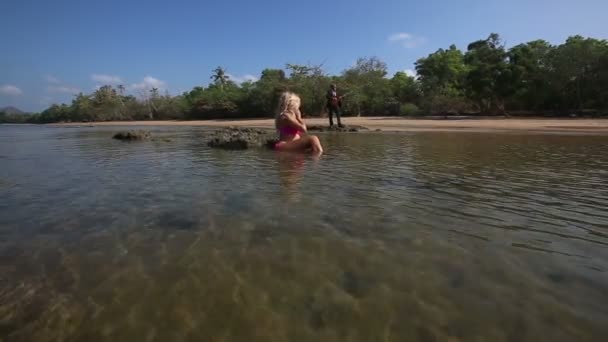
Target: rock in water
{"x": 133, "y": 135}
{"x": 319, "y": 128}
{"x": 241, "y": 138}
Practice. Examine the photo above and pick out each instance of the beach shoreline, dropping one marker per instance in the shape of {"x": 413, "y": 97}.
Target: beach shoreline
{"x": 397, "y": 124}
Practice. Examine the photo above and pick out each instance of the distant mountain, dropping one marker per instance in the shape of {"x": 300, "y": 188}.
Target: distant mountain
{"x": 11, "y": 110}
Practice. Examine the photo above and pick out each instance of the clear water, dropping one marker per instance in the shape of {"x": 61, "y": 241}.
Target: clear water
{"x": 387, "y": 237}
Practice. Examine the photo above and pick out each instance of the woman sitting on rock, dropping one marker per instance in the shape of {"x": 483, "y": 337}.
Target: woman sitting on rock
{"x": 292, "y": 128}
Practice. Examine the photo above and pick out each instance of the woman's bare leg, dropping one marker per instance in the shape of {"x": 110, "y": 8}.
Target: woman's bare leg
{"x": 315, "y": 144}
{"x": 309, "y": 141}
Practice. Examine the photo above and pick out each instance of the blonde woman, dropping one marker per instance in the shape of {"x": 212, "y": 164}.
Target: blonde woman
{"x": 291, "y": 127}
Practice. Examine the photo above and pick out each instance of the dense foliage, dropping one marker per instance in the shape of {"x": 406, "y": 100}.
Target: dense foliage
{"x": 489, "y": 79}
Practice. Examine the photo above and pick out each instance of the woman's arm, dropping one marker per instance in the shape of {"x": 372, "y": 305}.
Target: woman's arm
{"x": 293, "y": 121}
{"x": 300, "y": 119}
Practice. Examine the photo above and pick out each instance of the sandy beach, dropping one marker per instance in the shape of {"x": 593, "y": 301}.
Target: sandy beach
{"x": 396, "y": 124}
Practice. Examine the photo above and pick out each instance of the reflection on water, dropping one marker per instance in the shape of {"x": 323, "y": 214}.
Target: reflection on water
{"x": 392, "y": 237}
{"x": 291, "y": 169}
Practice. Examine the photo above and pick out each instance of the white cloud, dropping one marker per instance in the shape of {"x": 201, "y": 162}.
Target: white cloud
{"x": 63, "y": 89}
{"x": 407, "y": 40}
{"x": 56, "y": 86}
{"x": 241, "y": 79}
{"x": 399, "y": 36}
{"x": 52, "y": 79}
{"x": 106, "y": 79}
{"x": 410, "y": 72}
{"x": 148, "y": 83}
{"x": 10, "y": 90}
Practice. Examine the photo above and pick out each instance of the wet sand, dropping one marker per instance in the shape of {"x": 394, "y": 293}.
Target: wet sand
{"x": 396, "y": 124}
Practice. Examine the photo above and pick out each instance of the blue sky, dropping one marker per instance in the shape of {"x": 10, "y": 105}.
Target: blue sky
{"x": 52, "y": 49}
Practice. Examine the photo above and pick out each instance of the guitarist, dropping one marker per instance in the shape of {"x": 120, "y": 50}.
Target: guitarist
{"x": 334, "y": 105}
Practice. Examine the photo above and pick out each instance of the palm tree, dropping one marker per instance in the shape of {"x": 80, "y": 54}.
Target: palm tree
{"x": 220, "y": 77}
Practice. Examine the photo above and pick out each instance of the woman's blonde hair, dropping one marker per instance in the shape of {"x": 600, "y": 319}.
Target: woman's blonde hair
{"x": 289, "y": 104}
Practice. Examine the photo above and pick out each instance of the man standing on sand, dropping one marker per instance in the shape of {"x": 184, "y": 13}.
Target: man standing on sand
{"x": 334, "y": 105}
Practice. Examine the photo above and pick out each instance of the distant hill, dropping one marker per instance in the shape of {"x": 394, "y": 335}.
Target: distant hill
{"x": 11, "y": 110}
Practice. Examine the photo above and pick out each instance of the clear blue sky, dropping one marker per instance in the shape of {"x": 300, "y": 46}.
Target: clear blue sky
{"x": 51, "y": 49}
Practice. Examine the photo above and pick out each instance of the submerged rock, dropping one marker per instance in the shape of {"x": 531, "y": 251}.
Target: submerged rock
{"x": 353, "y": 128}
{"x": 133, "y": 135}
{"x": 167, "y": 140}
{"x": 234, "y": 138}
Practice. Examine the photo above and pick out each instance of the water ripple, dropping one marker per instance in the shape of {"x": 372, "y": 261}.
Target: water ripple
{"x": 384, "y": 227}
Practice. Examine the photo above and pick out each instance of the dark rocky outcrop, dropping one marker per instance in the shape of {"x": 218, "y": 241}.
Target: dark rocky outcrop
{"x": 353, "y": 128}
{"x": 234, "y": 138}
{"x": 133, "y": 135}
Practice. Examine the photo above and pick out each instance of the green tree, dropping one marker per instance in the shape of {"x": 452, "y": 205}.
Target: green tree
{"x": 82, "y": 108}
{"x": 219, "y": 101}
{"x": 310, "y": 82}
{"x": 13, "y": 118}
{"x": 442, "y": 76}
{"x": 600, "y": 80}
{"x": 442, "y": 72}
{"x": 263, "y": 96}
{"x": 106, "y": 105}
{"x": 366, "y": 88}
{"x": 532, "y": 76}
{"x": 405, "y": 88}
{"x": 220, "y": 77}
{"x": 578, "y": 68}
{"x": 530, "y": 68}
{"x": 56, "y": 113}
{"x": 167, "y": 107}
{"x": 489, "y": 79}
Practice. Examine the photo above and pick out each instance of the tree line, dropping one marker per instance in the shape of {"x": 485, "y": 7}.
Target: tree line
{"x": 533, "y": 78}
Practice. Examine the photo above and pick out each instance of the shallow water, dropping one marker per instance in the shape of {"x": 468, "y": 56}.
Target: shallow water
{"x": 387, "y": 237}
